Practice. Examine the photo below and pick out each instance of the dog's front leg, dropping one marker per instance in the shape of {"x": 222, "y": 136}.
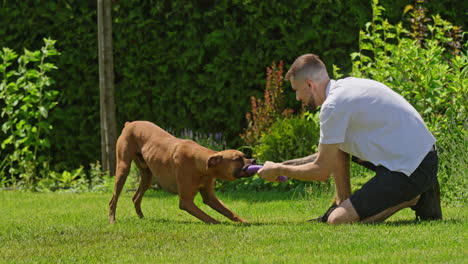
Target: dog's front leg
{"x": 187, "y": 194}
{"x": 211, "y": 200}
{"x": 187, "y": 204}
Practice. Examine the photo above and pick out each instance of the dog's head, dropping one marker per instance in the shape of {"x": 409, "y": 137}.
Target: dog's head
{"x": 230, "y": 164}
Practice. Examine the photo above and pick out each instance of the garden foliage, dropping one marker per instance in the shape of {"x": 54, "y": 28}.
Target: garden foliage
{"x": 181, "y": 64}
{"x": 265, "y": 111}
{"x": 193, "y": 65}
{"x": 27, "y": 95}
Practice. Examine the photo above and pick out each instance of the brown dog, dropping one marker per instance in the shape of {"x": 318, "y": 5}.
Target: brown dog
{"x": 179, "y": 166}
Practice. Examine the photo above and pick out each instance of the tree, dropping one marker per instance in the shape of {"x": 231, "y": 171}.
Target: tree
{"x": 106, "y": 86}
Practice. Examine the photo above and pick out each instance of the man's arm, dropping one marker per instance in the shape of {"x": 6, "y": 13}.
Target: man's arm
{"x": 319, "y": 170}
{"x": 301, "y": 161}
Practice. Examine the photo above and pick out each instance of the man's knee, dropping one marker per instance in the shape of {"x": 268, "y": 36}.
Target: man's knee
{"x": 344, "y": 213}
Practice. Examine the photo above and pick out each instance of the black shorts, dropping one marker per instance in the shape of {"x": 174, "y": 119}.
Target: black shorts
{"x": 389, "y": 188}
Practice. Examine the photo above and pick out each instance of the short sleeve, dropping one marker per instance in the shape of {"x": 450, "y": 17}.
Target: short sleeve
{"x": 333, "y": 124}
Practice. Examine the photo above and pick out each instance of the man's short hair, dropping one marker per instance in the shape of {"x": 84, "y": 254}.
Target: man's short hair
{"x": 307, "y": 66}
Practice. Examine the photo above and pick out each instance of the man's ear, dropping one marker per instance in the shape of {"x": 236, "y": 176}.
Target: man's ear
{"x": 310, "y": 84}
{"x": 214, "y": 160}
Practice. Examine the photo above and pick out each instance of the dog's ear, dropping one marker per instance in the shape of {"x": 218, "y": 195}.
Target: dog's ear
{"x": 214, "y": 160}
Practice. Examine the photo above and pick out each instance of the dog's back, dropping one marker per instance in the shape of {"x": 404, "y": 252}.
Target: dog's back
{"x": 153, "y": 148}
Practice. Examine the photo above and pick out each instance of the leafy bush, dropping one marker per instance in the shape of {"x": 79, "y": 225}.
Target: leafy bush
{"x": 27, "y": 97}
{"x": 63, "y": 180}
{"x": 453, "y": 161}
{"x": 289, "y": 138}
{"x": 77, "y": 181}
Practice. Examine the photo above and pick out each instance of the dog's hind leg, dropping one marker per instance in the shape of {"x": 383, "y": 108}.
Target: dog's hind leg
{"x": 145, "y": 183}
{"x": 125, "y": 155}
{"x": 120, "y": 176}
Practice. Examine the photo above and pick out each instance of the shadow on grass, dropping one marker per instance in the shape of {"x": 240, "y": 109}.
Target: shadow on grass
{"x": 254, "y": 196}
{"x": 416, "y": 222}
{"x": 172, "y": 221}
{"x": 398, "y": 223}
{"x": 223, "y": 222}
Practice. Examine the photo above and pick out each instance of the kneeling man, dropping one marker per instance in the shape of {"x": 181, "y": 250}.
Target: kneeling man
{"x": 376, "y": 126}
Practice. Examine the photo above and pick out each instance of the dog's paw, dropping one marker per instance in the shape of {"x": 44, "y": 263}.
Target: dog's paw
{"x": 241, "y": 220}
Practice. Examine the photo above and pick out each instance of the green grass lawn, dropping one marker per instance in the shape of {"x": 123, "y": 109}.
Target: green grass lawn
{"x": 73, "y": 228}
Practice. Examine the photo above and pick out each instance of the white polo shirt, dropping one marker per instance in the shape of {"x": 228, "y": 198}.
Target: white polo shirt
{"x": 374, "y": 123}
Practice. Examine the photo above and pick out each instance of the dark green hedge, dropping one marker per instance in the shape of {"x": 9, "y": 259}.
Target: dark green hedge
{"x": 182, "y": 63}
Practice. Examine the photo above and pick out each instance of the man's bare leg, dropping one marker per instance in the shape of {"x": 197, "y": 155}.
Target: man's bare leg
{"x": 345, "y": 213}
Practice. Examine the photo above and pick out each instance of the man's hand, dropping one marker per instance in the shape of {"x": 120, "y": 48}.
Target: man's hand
{"x": 270, "y": 171}
{"x": 326, "y": 161}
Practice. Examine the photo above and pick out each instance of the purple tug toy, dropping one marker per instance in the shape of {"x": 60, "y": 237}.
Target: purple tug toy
{"x": 255, "y": 168}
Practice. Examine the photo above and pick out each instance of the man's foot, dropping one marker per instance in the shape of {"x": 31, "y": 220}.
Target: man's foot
{"x": 324, "y": 217}
{"x": 428, "y": 206}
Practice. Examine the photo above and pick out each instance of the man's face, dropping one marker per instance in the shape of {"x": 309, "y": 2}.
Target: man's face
{"x": 304, "y": 93}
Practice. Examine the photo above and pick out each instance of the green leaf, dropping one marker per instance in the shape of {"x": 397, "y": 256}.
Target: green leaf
{"x": 6, "y": 126}
{"x": 47, "y": 67}
{"x": 7, "y": 141}
{"x": 354, "y": 55}
{"x": 31, "y": 56}
{"x": 43, "y": 111}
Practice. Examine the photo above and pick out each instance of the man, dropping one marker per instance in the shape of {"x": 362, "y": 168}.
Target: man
{"x": 381, "y": 131}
